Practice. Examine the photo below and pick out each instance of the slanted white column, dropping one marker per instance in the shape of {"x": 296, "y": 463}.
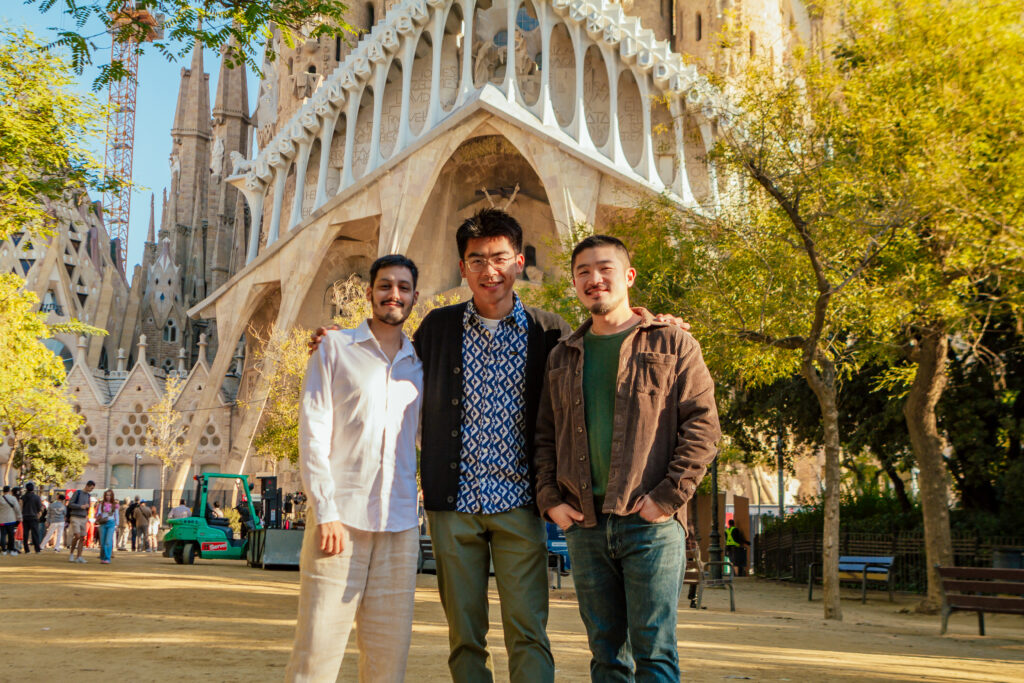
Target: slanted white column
{"x": 437, "y": 43}
{"x": 407, "y": 59}
{"x": 579, "y": 120}
{"x": 254, "y": 193}
{"x": 280, "y": 176}
{"x": 509, "y": 85}
{"x": 380, "y": 81}
{"x": 613, "y": 147}
{"x": 305, "y": 148}
{"x": 466, "y": 87}
{"x": 647, "y": 167}
{"x": 544, "y": 109}
{"x": 351, "y": 114}
{"x": 326, "y": 139}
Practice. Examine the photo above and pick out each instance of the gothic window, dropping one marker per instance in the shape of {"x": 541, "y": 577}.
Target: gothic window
{"x": 700, "y": 27}
{"x": 311, "y": 69}
{"x": 371, "y": 20}
{"x": 337, "y": 48}
{"x": 170, "y": 332}
{"x": 168, "y": 365}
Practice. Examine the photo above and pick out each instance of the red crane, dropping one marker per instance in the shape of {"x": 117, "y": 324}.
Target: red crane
{"x": 117, "y": 159}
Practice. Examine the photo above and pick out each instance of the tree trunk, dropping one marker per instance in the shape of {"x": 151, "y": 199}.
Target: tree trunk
{"x": 823, "y": 384}
{"x": 927, "y": 444}
{"x": 898, "y": 487}
{"x": 7, "y": 468}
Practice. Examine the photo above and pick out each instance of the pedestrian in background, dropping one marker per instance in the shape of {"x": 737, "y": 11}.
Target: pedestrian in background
{"x": 154, "y": 528}
{"x": 78, "y": 516}
{"x": 10, "y": 518}
{"x": 142, "y": 516}
{"x": 55, "y": 516}
{"x": 121, "y": 542}
{"x": 130, "y": 515}
{"x": 106, "y": 520}
{"x": 31, "y": 507}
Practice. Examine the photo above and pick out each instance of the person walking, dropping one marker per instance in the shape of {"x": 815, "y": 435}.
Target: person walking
{"x": 121, "y": 542}
{"x": 735, "y": 540}
{"x": 106, "y": 520}
{"x": 142, "y": 517}
{"x": 78, "y": 517}
{"x": 10, "y": 518}
{"x": 152, "y": 540}
{"x": 130, "y": 514}
{"x": 31, "y": 509}
{"x": 358, "y": 420}
{"x": 627, "y": 427}
{"x": 56, "y": 515}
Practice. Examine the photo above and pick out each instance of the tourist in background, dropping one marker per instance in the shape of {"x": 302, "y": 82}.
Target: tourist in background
{"x": 10, "y": 518}
{"x": 179, "y": 511}
{"x": 31, "y": 507}
{"x": 130, "y": 515}
{"x": 78, "y": 515}
{"x": 106, "y": 520}
{"x": 142, "y": 516}
{"x": 122, "y": 526}
{"x": 154, "y": 528}
{"x": 55, "y": 516}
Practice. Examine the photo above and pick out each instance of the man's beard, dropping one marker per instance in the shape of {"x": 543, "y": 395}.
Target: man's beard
{"x": 391, "y": 316}
{"x": 605, "y": 307}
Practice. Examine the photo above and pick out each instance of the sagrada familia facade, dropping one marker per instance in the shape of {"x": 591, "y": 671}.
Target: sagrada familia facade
{"x": 560, "y": 111}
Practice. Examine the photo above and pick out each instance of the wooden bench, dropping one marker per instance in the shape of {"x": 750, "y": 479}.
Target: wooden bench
{"x": 858, "y": 568}
{"x": 981, "y": 589}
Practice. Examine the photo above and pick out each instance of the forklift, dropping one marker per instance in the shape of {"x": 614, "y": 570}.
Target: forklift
{"x": 207, "y": 536}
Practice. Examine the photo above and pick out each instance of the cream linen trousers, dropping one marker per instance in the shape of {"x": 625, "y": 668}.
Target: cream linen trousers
{"x": 372, "y": 582}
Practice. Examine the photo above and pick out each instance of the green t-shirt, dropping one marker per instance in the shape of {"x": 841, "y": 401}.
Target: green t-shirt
{"x": 600, "y": 373}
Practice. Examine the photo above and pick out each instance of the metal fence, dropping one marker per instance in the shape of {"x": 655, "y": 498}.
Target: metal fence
{"x": 787, "y": 554}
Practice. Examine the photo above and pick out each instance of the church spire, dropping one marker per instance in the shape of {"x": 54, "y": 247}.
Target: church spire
{"x": 232, "y": 94}
{"x": 151, "y": 233}
{"x": 192, "y": 115}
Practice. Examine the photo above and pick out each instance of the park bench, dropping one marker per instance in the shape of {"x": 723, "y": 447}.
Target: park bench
{"x": 558, "y": 555}
{"x": 857, "y": 568}
{"x": 981, "y": 589}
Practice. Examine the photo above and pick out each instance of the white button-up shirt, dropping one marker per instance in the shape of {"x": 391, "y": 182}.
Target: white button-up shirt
{"x": 358, "y": 421}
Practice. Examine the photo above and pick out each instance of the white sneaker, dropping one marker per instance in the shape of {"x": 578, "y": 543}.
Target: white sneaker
{"x": 71, "y": 558}
{"x": 82, "y": 560}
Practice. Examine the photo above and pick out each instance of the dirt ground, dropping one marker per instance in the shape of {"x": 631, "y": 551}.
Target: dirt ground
{"x": 143, "y": 617}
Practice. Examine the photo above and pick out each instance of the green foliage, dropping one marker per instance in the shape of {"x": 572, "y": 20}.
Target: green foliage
{"x": 44, "y": 127}
{"x": 166, "y": 430}
{"x": 35, "y": 411}
{"x": 866, "y": 513}
{"x": 245, "y": 25}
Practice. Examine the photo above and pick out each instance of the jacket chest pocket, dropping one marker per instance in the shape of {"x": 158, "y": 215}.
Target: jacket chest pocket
{"x": 558, "y": 380}
{"x": 654, "y": 373}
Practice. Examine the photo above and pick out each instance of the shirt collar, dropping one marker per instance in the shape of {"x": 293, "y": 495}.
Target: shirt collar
{"x": 363, "y": 334}
{"x": 516, "y": 316}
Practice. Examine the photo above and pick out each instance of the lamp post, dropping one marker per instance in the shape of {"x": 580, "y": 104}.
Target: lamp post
{"x": 135, "y": 471}
{"x": 715, "y": 548}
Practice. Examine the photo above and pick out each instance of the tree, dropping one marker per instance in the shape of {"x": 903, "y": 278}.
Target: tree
{"x": 949, "y": 121}
{"x": 246, "y": 25}
{"x": 165, "y": 433}
{"x": 37, "y": 417}
{"x": 44, "y": 129}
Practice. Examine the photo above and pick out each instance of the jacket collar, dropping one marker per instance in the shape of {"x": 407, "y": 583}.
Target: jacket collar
{"x": 363, "y": 335}
{"x": 575, "y": 340}
{"x": 517, "y": 315}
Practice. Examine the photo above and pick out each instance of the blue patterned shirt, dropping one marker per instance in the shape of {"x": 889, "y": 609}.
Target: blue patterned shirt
{"x": 493, "y": 474}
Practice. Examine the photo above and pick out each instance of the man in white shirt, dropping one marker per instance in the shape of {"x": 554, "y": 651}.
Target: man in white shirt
{"x": 358, "y": 420}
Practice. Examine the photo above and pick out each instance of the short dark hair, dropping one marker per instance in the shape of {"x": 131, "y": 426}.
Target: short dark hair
{"x": 30, "y": 487}
{"x": 181, "y": 501}
{"x": 489, "y": 223}
{"x": 61, "y": 496}
{"x": 598, "y": 241}
{"x": 90, "y": 483}
{"x": 394, "y": 261}
{"x": 7, "y": 489}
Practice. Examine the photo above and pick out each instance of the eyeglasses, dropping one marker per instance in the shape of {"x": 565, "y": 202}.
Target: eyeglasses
{"x": 478, "y": 263}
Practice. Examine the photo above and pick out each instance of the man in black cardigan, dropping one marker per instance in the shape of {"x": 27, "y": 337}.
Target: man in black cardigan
{"x": 483, "y": 370}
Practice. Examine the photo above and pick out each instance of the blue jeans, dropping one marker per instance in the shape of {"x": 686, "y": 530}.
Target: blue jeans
{"x": 628, "y": 574}
{"x": 107, "y": 531}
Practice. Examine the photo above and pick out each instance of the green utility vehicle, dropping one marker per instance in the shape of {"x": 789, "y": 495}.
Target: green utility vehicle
{"x": 205, "y": 535}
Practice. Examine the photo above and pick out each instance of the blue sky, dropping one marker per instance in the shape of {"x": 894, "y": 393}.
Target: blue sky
{"x": 156, "y": 100}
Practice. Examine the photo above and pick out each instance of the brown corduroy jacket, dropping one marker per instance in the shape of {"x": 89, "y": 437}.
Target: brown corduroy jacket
{"x": 666, "y": 424}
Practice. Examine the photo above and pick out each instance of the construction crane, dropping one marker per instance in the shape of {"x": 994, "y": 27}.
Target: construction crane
{"x": 117, "y": 159}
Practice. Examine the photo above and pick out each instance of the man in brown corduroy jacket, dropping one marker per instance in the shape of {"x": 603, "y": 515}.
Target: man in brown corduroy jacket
{"x": 626, "y": 429}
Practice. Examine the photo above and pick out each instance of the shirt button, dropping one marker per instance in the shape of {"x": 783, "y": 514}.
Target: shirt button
{"x": 456, "y": 371}
{"x": 453, "y": 465}
{"x": 455, "y": 401}
{"x": 583, "y": 458}
{"x": 579, "y": 429}
{"x": 577, "y": 401}
{"x": 451, "y": 499}
{"x": 583, "y": 486}
{"x": 577, "y": 373}
{"x": 455, "y": 432}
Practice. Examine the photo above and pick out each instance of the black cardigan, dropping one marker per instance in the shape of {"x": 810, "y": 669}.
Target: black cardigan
{"x": 438, "y": 343}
